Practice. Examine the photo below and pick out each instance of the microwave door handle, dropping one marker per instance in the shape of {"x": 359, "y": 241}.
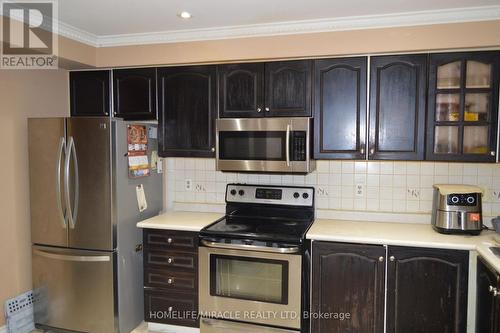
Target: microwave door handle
{"x": 287, "y": 144}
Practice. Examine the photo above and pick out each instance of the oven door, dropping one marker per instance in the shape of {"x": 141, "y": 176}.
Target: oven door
{"x": 267, "y": 144}
{"x": 251, "y": 286}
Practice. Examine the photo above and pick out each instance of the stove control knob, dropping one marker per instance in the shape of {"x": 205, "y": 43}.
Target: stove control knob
{"x": 233, "y": 192}
{"x": 470, "y": 200}
{"x": 305, "y": 195}
{"x": 455, "y": 199}
{"x": 296, "y": 195}
{"x": 241, "y": 192}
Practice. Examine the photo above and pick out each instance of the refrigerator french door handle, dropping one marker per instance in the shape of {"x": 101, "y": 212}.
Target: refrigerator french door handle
{"x": 61, "y": 150}
{"x": 66, "y": 257}
{"x": 72, "y": 212}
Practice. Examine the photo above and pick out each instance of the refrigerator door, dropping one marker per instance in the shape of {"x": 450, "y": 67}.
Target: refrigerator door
{"x": 74, "y": 289}
{"x": 88, "y": 183}
{"x": 46, "y": 144}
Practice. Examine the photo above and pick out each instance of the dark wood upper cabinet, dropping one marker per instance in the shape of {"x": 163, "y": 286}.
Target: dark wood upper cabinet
{"x": 340, "y": 108}
{"x": 397, "y": 107}
{"x": 134, "y": 92}
{"x": 89, "y": 93}
{"x": 487, "y": 306}
{"x": 241, "y": 90}
{"x": 271, "y": 89}
{"x": 463, "y": 106}
{"x": 427, "y": 290}
{"x": 348, "y": 278}
{"x": 288, "y": 88}
{"x": 187, "y": 110}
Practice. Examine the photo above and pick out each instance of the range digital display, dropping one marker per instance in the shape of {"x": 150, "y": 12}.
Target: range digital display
{"x": 268, "y": 193}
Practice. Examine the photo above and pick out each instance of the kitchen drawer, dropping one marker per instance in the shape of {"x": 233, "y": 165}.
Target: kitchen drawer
{"x": 171, "y": 279}
{"x": 172, "y": 259}
{"x": 170, "y": 308}
{"x": 171, "y": 240}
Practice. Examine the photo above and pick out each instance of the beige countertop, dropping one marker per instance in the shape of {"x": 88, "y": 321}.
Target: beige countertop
{"x": 403, "y": 234}
{"x": 183, "y": 221}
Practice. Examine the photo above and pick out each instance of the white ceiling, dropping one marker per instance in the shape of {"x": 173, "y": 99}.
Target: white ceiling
{"x": 105, "y": 18}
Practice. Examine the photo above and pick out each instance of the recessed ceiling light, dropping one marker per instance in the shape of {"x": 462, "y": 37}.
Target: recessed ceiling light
{"x": 184, "y": 15}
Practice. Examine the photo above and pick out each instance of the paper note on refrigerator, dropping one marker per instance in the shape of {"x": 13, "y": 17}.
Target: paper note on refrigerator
{"x": 141, "y": 198}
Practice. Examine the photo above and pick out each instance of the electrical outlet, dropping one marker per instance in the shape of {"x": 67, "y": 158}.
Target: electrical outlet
{"x": 495, "y": 195}
{"x": 413, "y": 193}
{"x": 322, "y": 191}
{"x": 188, "y": 184}
{"x": 360, "y": 190}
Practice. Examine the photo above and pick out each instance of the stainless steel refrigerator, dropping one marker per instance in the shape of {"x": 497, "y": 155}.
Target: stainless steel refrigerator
{"x": 87, "y": 259}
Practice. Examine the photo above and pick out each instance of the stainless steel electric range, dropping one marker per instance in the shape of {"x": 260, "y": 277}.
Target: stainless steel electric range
{"x": 254, "y": 262}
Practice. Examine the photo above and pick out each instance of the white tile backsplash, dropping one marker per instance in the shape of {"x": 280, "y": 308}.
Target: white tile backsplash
{"x": 387, "y": 187}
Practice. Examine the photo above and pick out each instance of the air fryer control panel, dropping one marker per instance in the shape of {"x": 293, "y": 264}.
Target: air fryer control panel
{"x": 468, "y": 199}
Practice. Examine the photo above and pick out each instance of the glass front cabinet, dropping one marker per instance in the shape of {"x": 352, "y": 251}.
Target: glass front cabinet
{"x": 463, "y": 106}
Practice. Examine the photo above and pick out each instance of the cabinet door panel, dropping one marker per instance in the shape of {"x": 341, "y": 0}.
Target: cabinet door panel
{"x": 187, "y": 111}
{"x": 340, "y": 108}
{"x": 397, "y": 107}
{"x": 288, "y": 88}
{"x": 89, "y": 93}
{"x": 427, "y": 290}
{"x": 485, "y": 310}
{"x": 135, "y": 93}
{"x": 241, "y": 90}
{"x": 463, "y": 93}
{"x": 348, "y": 278}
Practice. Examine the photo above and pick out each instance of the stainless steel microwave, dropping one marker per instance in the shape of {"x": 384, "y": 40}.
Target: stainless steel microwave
{"x": 264, "y": 145}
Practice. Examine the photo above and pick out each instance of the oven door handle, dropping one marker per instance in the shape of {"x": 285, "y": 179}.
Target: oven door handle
{"x": 283, "y": 249}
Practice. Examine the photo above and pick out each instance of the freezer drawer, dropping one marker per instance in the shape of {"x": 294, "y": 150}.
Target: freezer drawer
{"x": 74, "y": 289}
{"x": 226, "y": 326}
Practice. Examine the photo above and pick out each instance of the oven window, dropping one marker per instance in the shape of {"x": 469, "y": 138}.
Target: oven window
{"x": 253, "y": 279}
{"x": 258, "y": 145}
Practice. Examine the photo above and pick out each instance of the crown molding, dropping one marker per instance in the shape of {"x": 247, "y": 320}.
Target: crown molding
{"x": 458, "y": 15}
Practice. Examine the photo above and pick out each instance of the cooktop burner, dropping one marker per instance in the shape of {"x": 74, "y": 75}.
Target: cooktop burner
{"x": 278, "y": 218}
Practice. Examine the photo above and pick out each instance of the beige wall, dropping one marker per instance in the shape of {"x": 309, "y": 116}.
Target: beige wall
{"x": 388, "y": 40}
{"x": 23, "y": 94}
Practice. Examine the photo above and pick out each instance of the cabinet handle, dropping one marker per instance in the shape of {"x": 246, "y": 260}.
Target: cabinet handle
{"x": 362, "y": 150}
{"x": 170, "y": 260}
{"x": 494, "y": 291}
{"x": 169, "y": 240}
{"x": 492, "y": 153}
{"x": 380, "y": 258}
{"x": 170, "y": 280}
{"x": 259, "y": 110}
{"x": 372, "y": 151}
{"x": 392, "y": 258}
{"x": 213, "y": 149}
{"x": 267, "y": 109}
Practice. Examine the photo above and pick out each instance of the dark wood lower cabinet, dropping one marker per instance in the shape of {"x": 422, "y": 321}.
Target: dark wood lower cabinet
{"x": 488, "y": 305}
{"x": 171, "y": 277}
{"x": 427, "y": 290}
{"x": 348, "y": 278}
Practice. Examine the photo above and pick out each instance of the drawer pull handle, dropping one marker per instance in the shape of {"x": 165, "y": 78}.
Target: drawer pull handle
{"x": 392, "y": 258}
{"x": 169, "y": 240}
{"x": 170, "y": 280}
{"x": 380, "y": 258}
{"x": 170, "y": 260}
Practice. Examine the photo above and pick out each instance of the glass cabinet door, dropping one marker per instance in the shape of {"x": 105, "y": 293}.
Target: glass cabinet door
{"x": 463, "y": 105}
